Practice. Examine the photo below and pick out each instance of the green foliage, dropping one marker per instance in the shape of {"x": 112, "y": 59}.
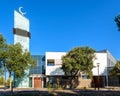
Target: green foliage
{"x": 14, "y": 58}
{"x": 79, "y": 59}
{"x": 2, "y": 41}
{"x": 8, "y": 82}
{"x": 3, "y": 46}
{"x": 49, "y": 86}
{"x": 17, "y": 61}
{"x": 115, "y": 71}
{"x": 59, "y": 87}
{"x": 1, "y": 80}
{"x": 117, "y": 20}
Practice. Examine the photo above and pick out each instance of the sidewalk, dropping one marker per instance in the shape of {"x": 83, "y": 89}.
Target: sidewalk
{"x": 64, "y": 90}
{"x": 24, "y": 89}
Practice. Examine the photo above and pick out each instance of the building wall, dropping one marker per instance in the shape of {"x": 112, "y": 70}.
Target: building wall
{"x": 111, "y": 61}
{"x": 54, "y": 69}
{"x": 21, "y": 27}
{"x": 84, "y": 83}
{"x": 100, "y": 58}
{"x": 37, "y": 72}
{"x": 40, "y": 65}
{"x": 53, "y": 64}
{"x": 21, "y": 22}
{"x": 24, "y": 41}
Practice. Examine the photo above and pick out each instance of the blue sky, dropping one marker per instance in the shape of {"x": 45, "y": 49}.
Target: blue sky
{"x": 60, "y": 25}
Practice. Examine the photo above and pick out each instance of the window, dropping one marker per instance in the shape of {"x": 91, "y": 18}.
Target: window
{"x": 50, "y": 62}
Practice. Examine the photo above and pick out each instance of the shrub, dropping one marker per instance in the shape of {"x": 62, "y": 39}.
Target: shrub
{"x": 1, "y": 80}
{"x": 8, "y": 82}
{"x": 49, "y": 86}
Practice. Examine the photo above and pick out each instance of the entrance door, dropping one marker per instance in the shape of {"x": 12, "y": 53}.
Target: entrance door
{"x": 100, "y": 82}
{"x": 37, "y": 82}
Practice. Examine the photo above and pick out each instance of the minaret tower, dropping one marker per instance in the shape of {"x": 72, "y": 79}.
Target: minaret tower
{"x": 22, "y": 35}
{"x": 21, "y": 29}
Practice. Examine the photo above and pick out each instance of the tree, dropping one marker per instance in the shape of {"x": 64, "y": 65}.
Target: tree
{"x": 78, "y": 60}
{"x": 117, "y": 20}
{"x": 17, "y": 61}
{"x": 3, "y": 47}
{"x": 115, "y": 71}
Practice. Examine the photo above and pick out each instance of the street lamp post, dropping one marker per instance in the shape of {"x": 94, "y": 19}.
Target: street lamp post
{"x": 98, "y": 64}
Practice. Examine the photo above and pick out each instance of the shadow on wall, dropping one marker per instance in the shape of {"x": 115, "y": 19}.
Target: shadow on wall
{"x": 109, "y": 79}
{"x": 70, "y": 82}
{"x": 113, "y": 80}
{"x": 100, "y": 79}
{"x": 56, "y": 72}
{"x": 64, "y": 81}
{"x": 105, "y": 79}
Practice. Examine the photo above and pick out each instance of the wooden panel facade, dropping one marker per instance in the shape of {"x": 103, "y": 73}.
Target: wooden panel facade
{"x": 37, "y": 82}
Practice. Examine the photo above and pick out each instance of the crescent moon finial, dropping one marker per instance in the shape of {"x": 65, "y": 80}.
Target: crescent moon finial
{"x": 20, "y": 11}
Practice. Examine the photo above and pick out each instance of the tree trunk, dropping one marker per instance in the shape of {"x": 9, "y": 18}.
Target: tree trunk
{"x": 71, "y": 79}
{"x": 11, "y": 82}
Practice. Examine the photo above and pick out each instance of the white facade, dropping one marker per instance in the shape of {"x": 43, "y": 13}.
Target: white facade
{"x": 54, "y": 57}
{"x": 101, "y": 59}
{"x": 104, "y": 58}
{"x": 24, "y": 41}
{"x": 22, "y": 23}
